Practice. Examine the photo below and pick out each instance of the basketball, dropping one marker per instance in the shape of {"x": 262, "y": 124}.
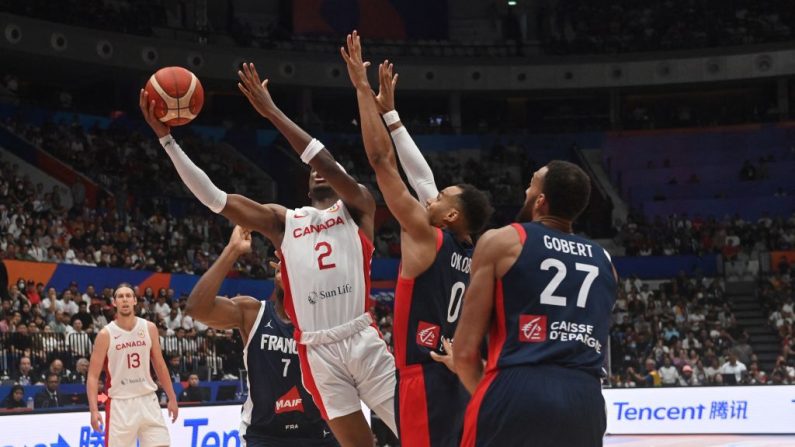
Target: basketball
{"x": 178, "y": 95}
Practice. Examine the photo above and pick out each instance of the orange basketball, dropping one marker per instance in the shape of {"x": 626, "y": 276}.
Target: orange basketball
{"x": 177, "y": 93}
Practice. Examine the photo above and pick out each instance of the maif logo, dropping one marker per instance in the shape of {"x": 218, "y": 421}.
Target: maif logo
{"x": 532, "y": 328}
{"x": 289, "y": 402}
{"x": 428, "y": 334}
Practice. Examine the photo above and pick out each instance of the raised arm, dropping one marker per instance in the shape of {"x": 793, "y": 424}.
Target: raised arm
{"x": 267, "y": 219}
{"x": 161, "y": 370}
{"x": 406, "y": 209}
{"x": 310, "y": 150}
{"x": 417, "y": 170}
{"x": 95, "y": 365}
{"x": 216, "y": 311}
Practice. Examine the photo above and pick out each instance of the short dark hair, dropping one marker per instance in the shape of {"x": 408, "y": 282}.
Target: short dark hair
{"x": 475, "y": 207}
{"x": 567, "y": 189}
{"x": 124, "y": 284}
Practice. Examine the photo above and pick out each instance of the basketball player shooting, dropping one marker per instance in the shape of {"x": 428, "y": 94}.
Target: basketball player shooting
{"x": 125, "y": 348}
{"x": 326, "y": 248}
{"x": 546, "y": 296}
{"x": 278, "y": 412}
{"x": 436, "y": 245}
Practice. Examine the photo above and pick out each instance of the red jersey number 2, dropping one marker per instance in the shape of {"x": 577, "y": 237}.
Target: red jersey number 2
{"x": 325, "y": 251}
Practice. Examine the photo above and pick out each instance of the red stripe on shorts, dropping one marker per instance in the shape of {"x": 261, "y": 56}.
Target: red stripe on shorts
{"x": 413, "y": 404}
{"x": 473, "y": 410}
{"x": 309, "y": 381}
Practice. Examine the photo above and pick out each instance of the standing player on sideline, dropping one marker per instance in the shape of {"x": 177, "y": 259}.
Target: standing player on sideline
{"x": 278, "y": 412}
{"x": 325, "y": 252}
{"x": 436, "y": 246}
{"x": 548, "y": 296}
{"x": 124, "y": 348}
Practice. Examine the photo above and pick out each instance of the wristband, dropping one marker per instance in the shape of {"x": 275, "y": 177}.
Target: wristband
{"x": 312, "y": 149}
{"x": 391, "y": 117}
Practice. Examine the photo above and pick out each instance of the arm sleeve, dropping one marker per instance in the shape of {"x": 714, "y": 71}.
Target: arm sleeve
{"x": 417, "y": 169}
{"x": 194, "y": 178}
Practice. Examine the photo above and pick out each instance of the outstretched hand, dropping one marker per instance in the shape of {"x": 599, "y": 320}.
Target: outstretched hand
{"x": 357, "y": 69}
{"x": 147, "y": 106}
{"x": 386, "y": 87}
{"x": 256, "y": 91}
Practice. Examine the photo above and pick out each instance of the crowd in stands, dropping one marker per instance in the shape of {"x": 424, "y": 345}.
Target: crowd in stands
{"x": 47, "y": 332}
{"x": 777, "y": 296}
{"x": 132, "y": 227}
{"x": 618, "y": 26}
{"x": 682, "y": 334}
{"x": 733, "y": 237}
{"x": 565, "y": 27}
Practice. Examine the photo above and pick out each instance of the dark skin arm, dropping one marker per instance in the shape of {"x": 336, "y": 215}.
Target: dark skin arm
{"x": 216, "y": 311}
{"x": 353, "y": 194}
{"x": 494, "y": 254}
{"x": 267, "y": 219}
{"x": 418, "y": 236}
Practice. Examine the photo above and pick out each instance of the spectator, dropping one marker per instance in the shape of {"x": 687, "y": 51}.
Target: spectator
{"x": 162, "y": 309}
{"x": 669, "y": 375}
{"x": 98, "y": 319}
{"x": 15, "y": 398}
{"x": 173, "y": 320}
{"x": 24, "y": 375}
{"x": 81, "y": 372}
{"x": 688, "y": 378}
{"x": 56, "y": 368}
{"x": 50, "y": 396}
{"x": 176, "y": 369}
{"x": 79, "y": 341}
{"x": 51, "y": 304}
{"x": 650, "y": 379}
{"x": 69, "y": 306}
{"x": 734, "y": 367}
{"x": 193, "y": 393}
{"x": 83, "y": 315}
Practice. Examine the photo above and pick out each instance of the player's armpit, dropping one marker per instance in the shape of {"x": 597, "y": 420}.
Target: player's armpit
{"x": 267, "y": 219}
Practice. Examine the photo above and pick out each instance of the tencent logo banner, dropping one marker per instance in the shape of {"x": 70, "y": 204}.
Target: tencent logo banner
{"x": 729, "y": 409}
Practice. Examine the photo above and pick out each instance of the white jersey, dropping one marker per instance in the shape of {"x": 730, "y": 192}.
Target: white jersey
{"x": 325, "y": 268}
{"x": 127, "y": 364}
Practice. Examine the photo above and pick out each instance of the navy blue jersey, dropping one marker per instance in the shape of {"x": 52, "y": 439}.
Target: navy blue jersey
{"x": 427, "y": 307}
{"x": 553, "y": 306}
{"x": 278, "y": 406}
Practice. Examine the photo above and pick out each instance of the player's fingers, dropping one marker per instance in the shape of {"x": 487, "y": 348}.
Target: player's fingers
{"x": 141, "y": 99}
{"x": 264, "y": 84}
{"x": 437, "y": 357}
{"x": 255, "y": 75}
{"x": 366, "y": 64}
{"x": 243, "y": 89}
{"x": 394, "y": 80}
{"x": 152, "y": 108}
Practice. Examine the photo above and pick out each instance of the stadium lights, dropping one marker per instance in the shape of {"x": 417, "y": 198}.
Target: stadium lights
{"x": 511, "y": 2}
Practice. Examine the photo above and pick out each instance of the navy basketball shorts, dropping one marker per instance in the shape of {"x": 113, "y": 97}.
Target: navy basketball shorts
{"x": 536, "y": 406}
{"x": 429, "y": 406}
